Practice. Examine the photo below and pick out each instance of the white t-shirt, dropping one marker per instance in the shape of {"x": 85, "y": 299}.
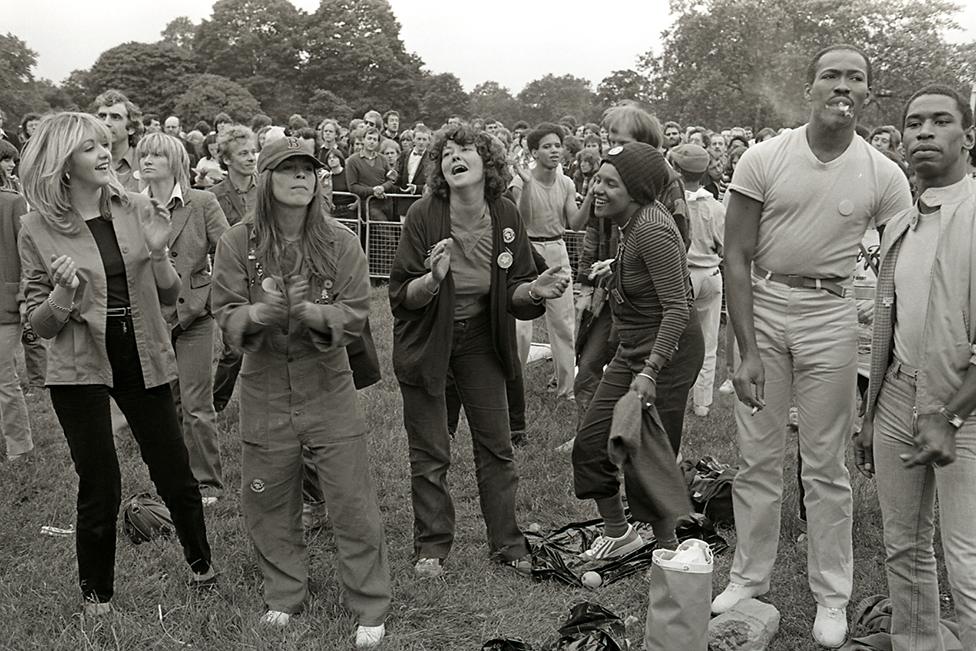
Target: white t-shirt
{"x": 912, "y": 282}
{"x": 814, "y": 214}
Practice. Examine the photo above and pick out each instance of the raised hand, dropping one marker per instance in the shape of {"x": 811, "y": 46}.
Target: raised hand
{"x": 552, "y": 282}
{"x": 64, "y": 273}
{"x": 272, "y": 309}
{"x": 440, "y": 260}
{"x": 156, "y": 227}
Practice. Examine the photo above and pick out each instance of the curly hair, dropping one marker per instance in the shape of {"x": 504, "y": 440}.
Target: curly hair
{"x": 490, "y": 149}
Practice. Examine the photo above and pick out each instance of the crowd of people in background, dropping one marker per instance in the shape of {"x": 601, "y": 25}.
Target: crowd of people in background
{"x": 128, "y": 242}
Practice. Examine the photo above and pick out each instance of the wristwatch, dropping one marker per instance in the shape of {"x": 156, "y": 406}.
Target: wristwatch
{"x": 954, "y": 419}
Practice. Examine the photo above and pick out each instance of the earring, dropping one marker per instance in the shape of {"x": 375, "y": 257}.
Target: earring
{"x": 67, "y": 178}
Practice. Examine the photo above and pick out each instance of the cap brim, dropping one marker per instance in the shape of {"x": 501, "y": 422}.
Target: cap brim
{"x": 316, "y": 163}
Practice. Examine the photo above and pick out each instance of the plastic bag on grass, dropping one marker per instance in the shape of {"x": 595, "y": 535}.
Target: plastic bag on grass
{"x": 555, "y": 554}
{"x": 679, "y": 598}
{"x": 592, "y": 627}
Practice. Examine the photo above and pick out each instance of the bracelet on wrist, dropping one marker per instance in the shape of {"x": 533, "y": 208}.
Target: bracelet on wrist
{"x": 648, "y": 376}
{"x": 654, "y": 367}
{"x": 532, "y": 297}
{"x": 59, "y": 308}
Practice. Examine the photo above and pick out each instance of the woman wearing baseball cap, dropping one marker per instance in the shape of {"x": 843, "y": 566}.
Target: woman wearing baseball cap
{"x": 292, "y": 290}
{"x": 654, "y": 318}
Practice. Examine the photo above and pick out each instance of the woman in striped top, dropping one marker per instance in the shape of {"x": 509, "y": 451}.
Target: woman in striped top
{"x": 660, "y": 347}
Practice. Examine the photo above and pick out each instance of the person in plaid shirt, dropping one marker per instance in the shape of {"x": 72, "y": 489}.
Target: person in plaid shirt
{"x": 919, "y": 433}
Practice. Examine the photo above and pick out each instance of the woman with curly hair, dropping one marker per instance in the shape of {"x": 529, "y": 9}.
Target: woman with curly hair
{"x": 463, "y": 272}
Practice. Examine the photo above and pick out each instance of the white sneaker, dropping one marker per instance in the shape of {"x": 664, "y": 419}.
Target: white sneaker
{"x": 830, "y": 627}
{"x": 701, "y": 411}
{"x": 369, "y": 637}
{"x": 275, "y": 618}
{"x": 96, "y": 608}
{"x": 605, "y": 547}
{"x": 727, "y": 388}
{"x": 567, "y": 447}
{"x": 733, "y": 594}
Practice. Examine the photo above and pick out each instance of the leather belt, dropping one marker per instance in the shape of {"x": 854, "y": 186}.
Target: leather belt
{"x": 118, "y": 312}
{"x": 832, "y": 285}
{"x": 554, "y": 238}
{"x": 901, "y": 368}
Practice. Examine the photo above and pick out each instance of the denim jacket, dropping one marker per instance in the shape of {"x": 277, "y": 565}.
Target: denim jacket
{"x": 948, "y": 335}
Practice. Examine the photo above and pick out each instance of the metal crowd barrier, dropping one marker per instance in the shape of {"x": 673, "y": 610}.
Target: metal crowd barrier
{"x": 348, "y": 210}
{"x": 383, "y": 235}
{"x": 574, "y": 246}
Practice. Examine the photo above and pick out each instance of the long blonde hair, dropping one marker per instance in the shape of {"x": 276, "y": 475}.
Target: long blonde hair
{"x": 165, "y": 145}
{"x": 45, "y": 163}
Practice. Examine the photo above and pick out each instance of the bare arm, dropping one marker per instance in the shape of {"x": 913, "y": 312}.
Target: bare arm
{"x": 741, "y": 235}
{"x": 575, "y": 216}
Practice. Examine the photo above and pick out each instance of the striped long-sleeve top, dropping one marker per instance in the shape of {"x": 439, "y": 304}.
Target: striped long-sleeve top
{"x": 653, "y": 270}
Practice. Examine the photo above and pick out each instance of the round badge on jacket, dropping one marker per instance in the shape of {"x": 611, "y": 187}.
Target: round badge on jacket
{"x": 845, "y": 207}
{"x": 505, "y": 259}
{"x": 257, "y": 485}
{"x": 508, "y": 235}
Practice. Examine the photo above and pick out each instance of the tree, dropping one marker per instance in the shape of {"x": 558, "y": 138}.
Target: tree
{"x": 17, "y": 92}
{"x": 180, "y": 32}
{"x": 441, "y": 96}
{"x": 551, "y": 97}
{"x": 326, "y": 104}
{"x": 206, "y": 95}
{"x": 491, "y": 99}
{"x": 729, "y": 62}
{"x": 75, "y": 87}
{"x": 622, "y": 84}
{"x": 355, "y": 46}
{"x": 150, "y": 74}
{"x": 259, "y": 44}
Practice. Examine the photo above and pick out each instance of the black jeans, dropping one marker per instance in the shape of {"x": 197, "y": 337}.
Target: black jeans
{"x": 83, "y": 411}
{"x": 594, "y": 475}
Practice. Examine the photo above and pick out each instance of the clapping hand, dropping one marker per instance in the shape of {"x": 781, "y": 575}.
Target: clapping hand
{"x": 552, "y": 282}
{"x": 272, "y": 310}
{"x": 64, "y": 273}
{"x": 156, "y": 227}
{"x": 300, "y": 308}
{"x": 440, "y": 260}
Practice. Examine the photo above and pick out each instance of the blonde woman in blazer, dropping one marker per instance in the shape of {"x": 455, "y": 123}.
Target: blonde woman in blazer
{"x": 95, "y": 271}
{"x": 196, "y": 224}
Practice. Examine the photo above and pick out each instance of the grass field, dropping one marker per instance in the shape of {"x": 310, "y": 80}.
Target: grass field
{"x": 475, "y": 601}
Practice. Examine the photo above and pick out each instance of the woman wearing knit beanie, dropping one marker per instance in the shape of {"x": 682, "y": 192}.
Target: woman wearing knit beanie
{"x": 660, "y": 347}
